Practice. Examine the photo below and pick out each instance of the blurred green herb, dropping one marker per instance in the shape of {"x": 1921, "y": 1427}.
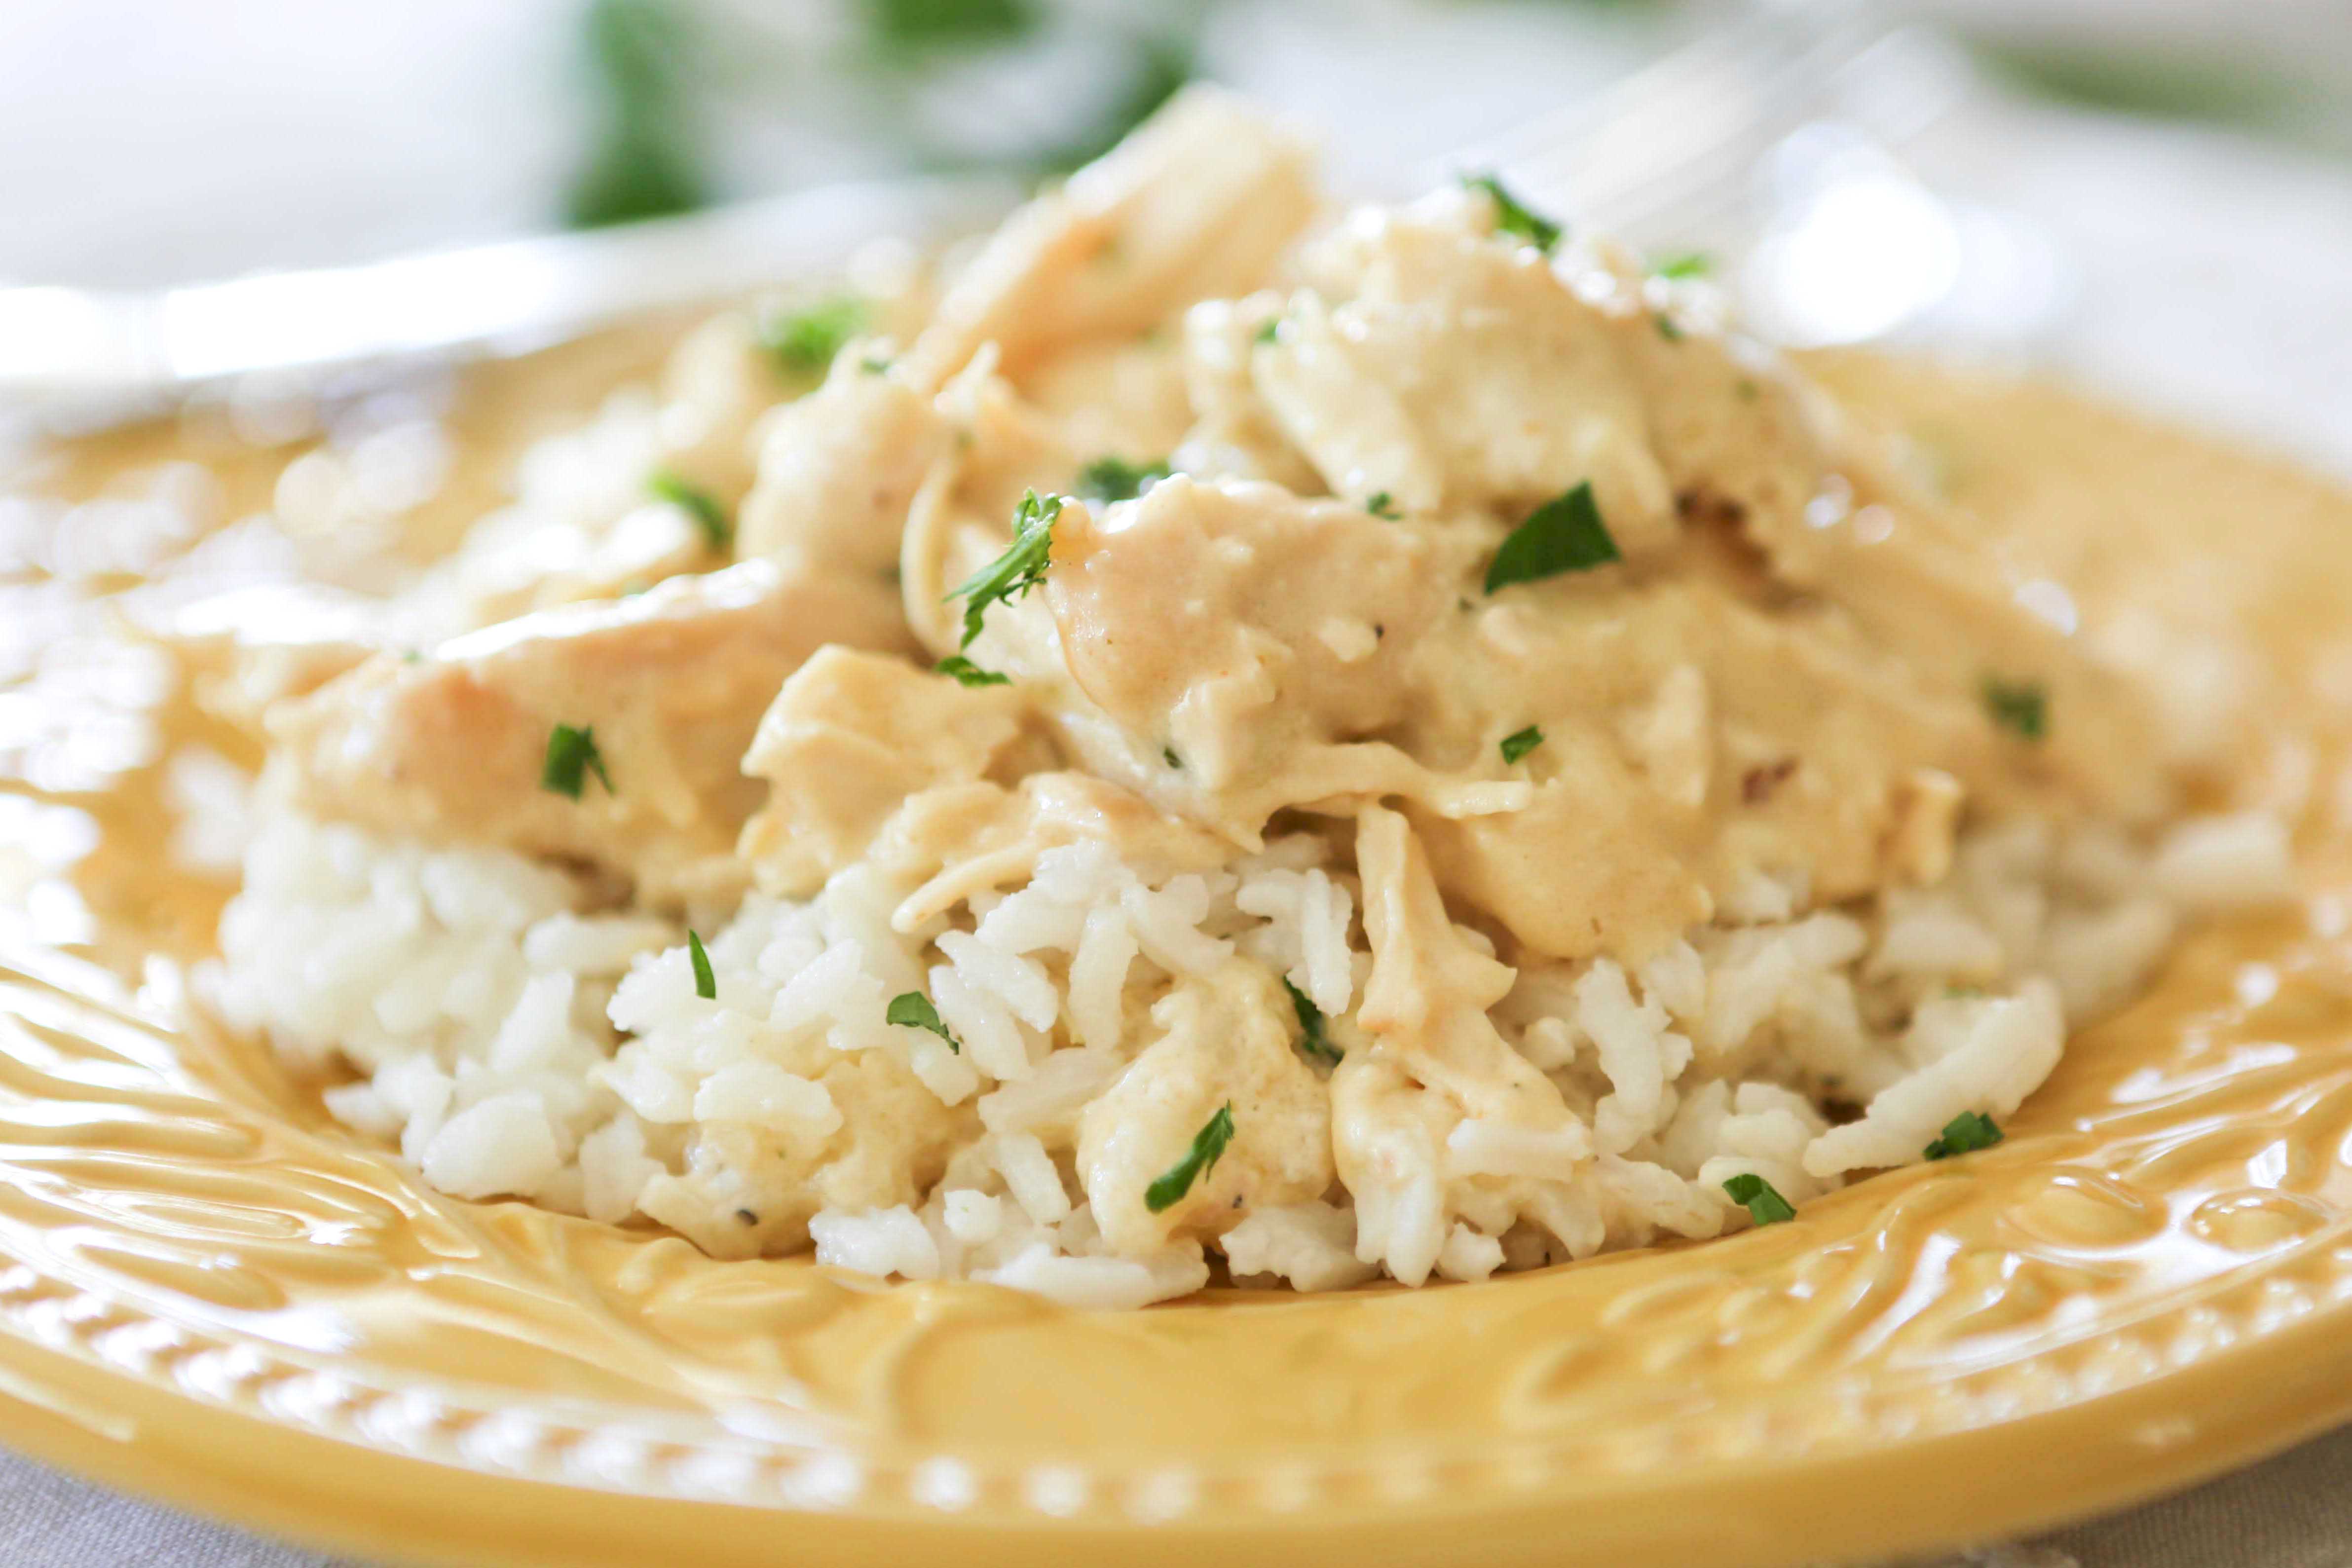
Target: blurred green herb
{"x": 804, "y": 342}
{"x": 918, "y": 27}
{"x": 1514, "y": 217}
{"x": 697, "y": 503}
{"x": 648, "y": 157}
{"x": 2151, "y": 82}
{"x": 1116, "y": 479}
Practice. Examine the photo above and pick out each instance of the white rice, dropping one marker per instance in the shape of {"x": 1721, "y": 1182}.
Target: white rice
{"x": 514, "y": 1043}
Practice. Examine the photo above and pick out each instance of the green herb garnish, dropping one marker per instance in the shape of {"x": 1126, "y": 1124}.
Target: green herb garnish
{"x": 1264, "y": 334}
{"x": 1115, "y": 478}
{"x": 914, "y": 1010}
{"x": 1964, "y": 1134}
{"x": 1564, "y": 534}
{"x": 1168, "y": 755}
{"x": 1667, "y": 328}
{"x": 969, "y": 674}
{"x": 1520, "y": 744}
{"x": 1515, "y": 216}
{"x": 1764, "y": 1204}
{"x": 804, "y": 341}
{"x": 705, "y": 984}
{"x": 1689, "y": 264}
{"x": 1312, "y": 1041}
{"x": 1208, "y": 1144}
{"x": 2019, "y": 705}
{"x": 571, "y": 754}
{"x": 1021, "y": 568}
{"x": 1383, "y": 505}
{"x": 873, "y": 364}
{"x": 697, "y": 503}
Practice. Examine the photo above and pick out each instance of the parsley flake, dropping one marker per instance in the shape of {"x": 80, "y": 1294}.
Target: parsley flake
{"x": 697, "y": 503}
{"x": 914, "y": 1010}
{"x": 804, "y": 341}
{"x": 705, "y": 984}
{"x": 1515, "y": 216}
{"x": 1520, "y": 744}
{"x": 571, "y": 754}
{"x": 1115, "y": 478}
{"x": 1564, "y": 534}
{"x": 1689, "y": 264}
{"x": 1021, "y": 568}
{"x": 1383, "y": 505}
{"x": 1667, "y": 327}
{"x": 1964, "y": 1134}
{"x": 1764, "y": 1204}
{"x": 1313, "y": 1042}
{"x": 1208, "y": 1144}
{"x": 1168, "y": 755}
{"x": 1264, "y": 334}
{"x": 969, "y": 674}
{"x": 2019, "y": 705}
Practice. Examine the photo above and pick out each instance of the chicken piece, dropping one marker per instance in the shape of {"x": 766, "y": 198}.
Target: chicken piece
{"x": 1121, "y": 400}
{"x": 846, "y": 741}
{"x": 248, "y": 648}
{"x": 1225, "y": 1041}
{"x": 719, "y": 384}
{"x": 839, "y": 469}
{"x": 1224, "y": 647}
{"x": 1454, "y": 371}
{"x": 962, "y": 839}
{"x": 1387, "y": 1141}
{"x": 750, "y": 1188}
{"x": 1234, "y": 434}
{"x": 1196, "y": 204}
{"x": 671, "y": 683}
{"x": 1425, "y": 1004}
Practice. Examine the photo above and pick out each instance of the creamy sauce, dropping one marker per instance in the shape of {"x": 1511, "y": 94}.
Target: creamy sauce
{"x": 1781, "y": 685}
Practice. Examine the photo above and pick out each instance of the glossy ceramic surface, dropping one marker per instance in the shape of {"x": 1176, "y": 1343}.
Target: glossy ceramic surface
{"x": 210, "y": 1293}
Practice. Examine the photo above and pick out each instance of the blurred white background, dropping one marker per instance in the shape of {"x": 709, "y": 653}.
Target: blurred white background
{"x": 2172, "y": 179}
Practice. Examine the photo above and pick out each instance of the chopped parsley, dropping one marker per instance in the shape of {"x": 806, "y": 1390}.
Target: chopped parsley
{"x": 571, "y": 754}
{"x": 1745, "y": 388}
{"x": 1208, "y": 1144}
{"x": 1764, "y": 1204}
{"x": 697, "y": 503}
{"x": 914, "y": 1010}
{"x": 1264, "y": 334}
{"x": 1021, "y": 568}
{"x": 1115, "y": 478}
{"x": 2019, "y": 705}
{"x": 1689, "y": 264}
{"x": 1515, "y": 216}
{"x": 705, "y": 984}
{"x": 1964, "y": 1134}
{"x": 1313, "y": 1042}
{"x": 1168, "y": 755}
{"x": 873, "y": 364}
{"x": 1667, "y": 327}
{"x": 1564, "y": 534}
{"x": 804, "y": 341}
{"x": 1383, "y": 504}
{"x": 969, "y": 674}
{"x": 1520, "y": 743}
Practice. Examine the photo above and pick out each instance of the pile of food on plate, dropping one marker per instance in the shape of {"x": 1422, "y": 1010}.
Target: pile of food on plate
{"x": 1220, "y": 732}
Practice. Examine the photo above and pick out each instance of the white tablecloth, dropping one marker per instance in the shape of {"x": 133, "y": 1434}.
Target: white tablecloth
{"x": 2293, "y": 1512}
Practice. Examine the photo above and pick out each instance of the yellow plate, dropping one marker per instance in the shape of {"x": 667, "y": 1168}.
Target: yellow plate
{"x": 210, "y": 1294}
